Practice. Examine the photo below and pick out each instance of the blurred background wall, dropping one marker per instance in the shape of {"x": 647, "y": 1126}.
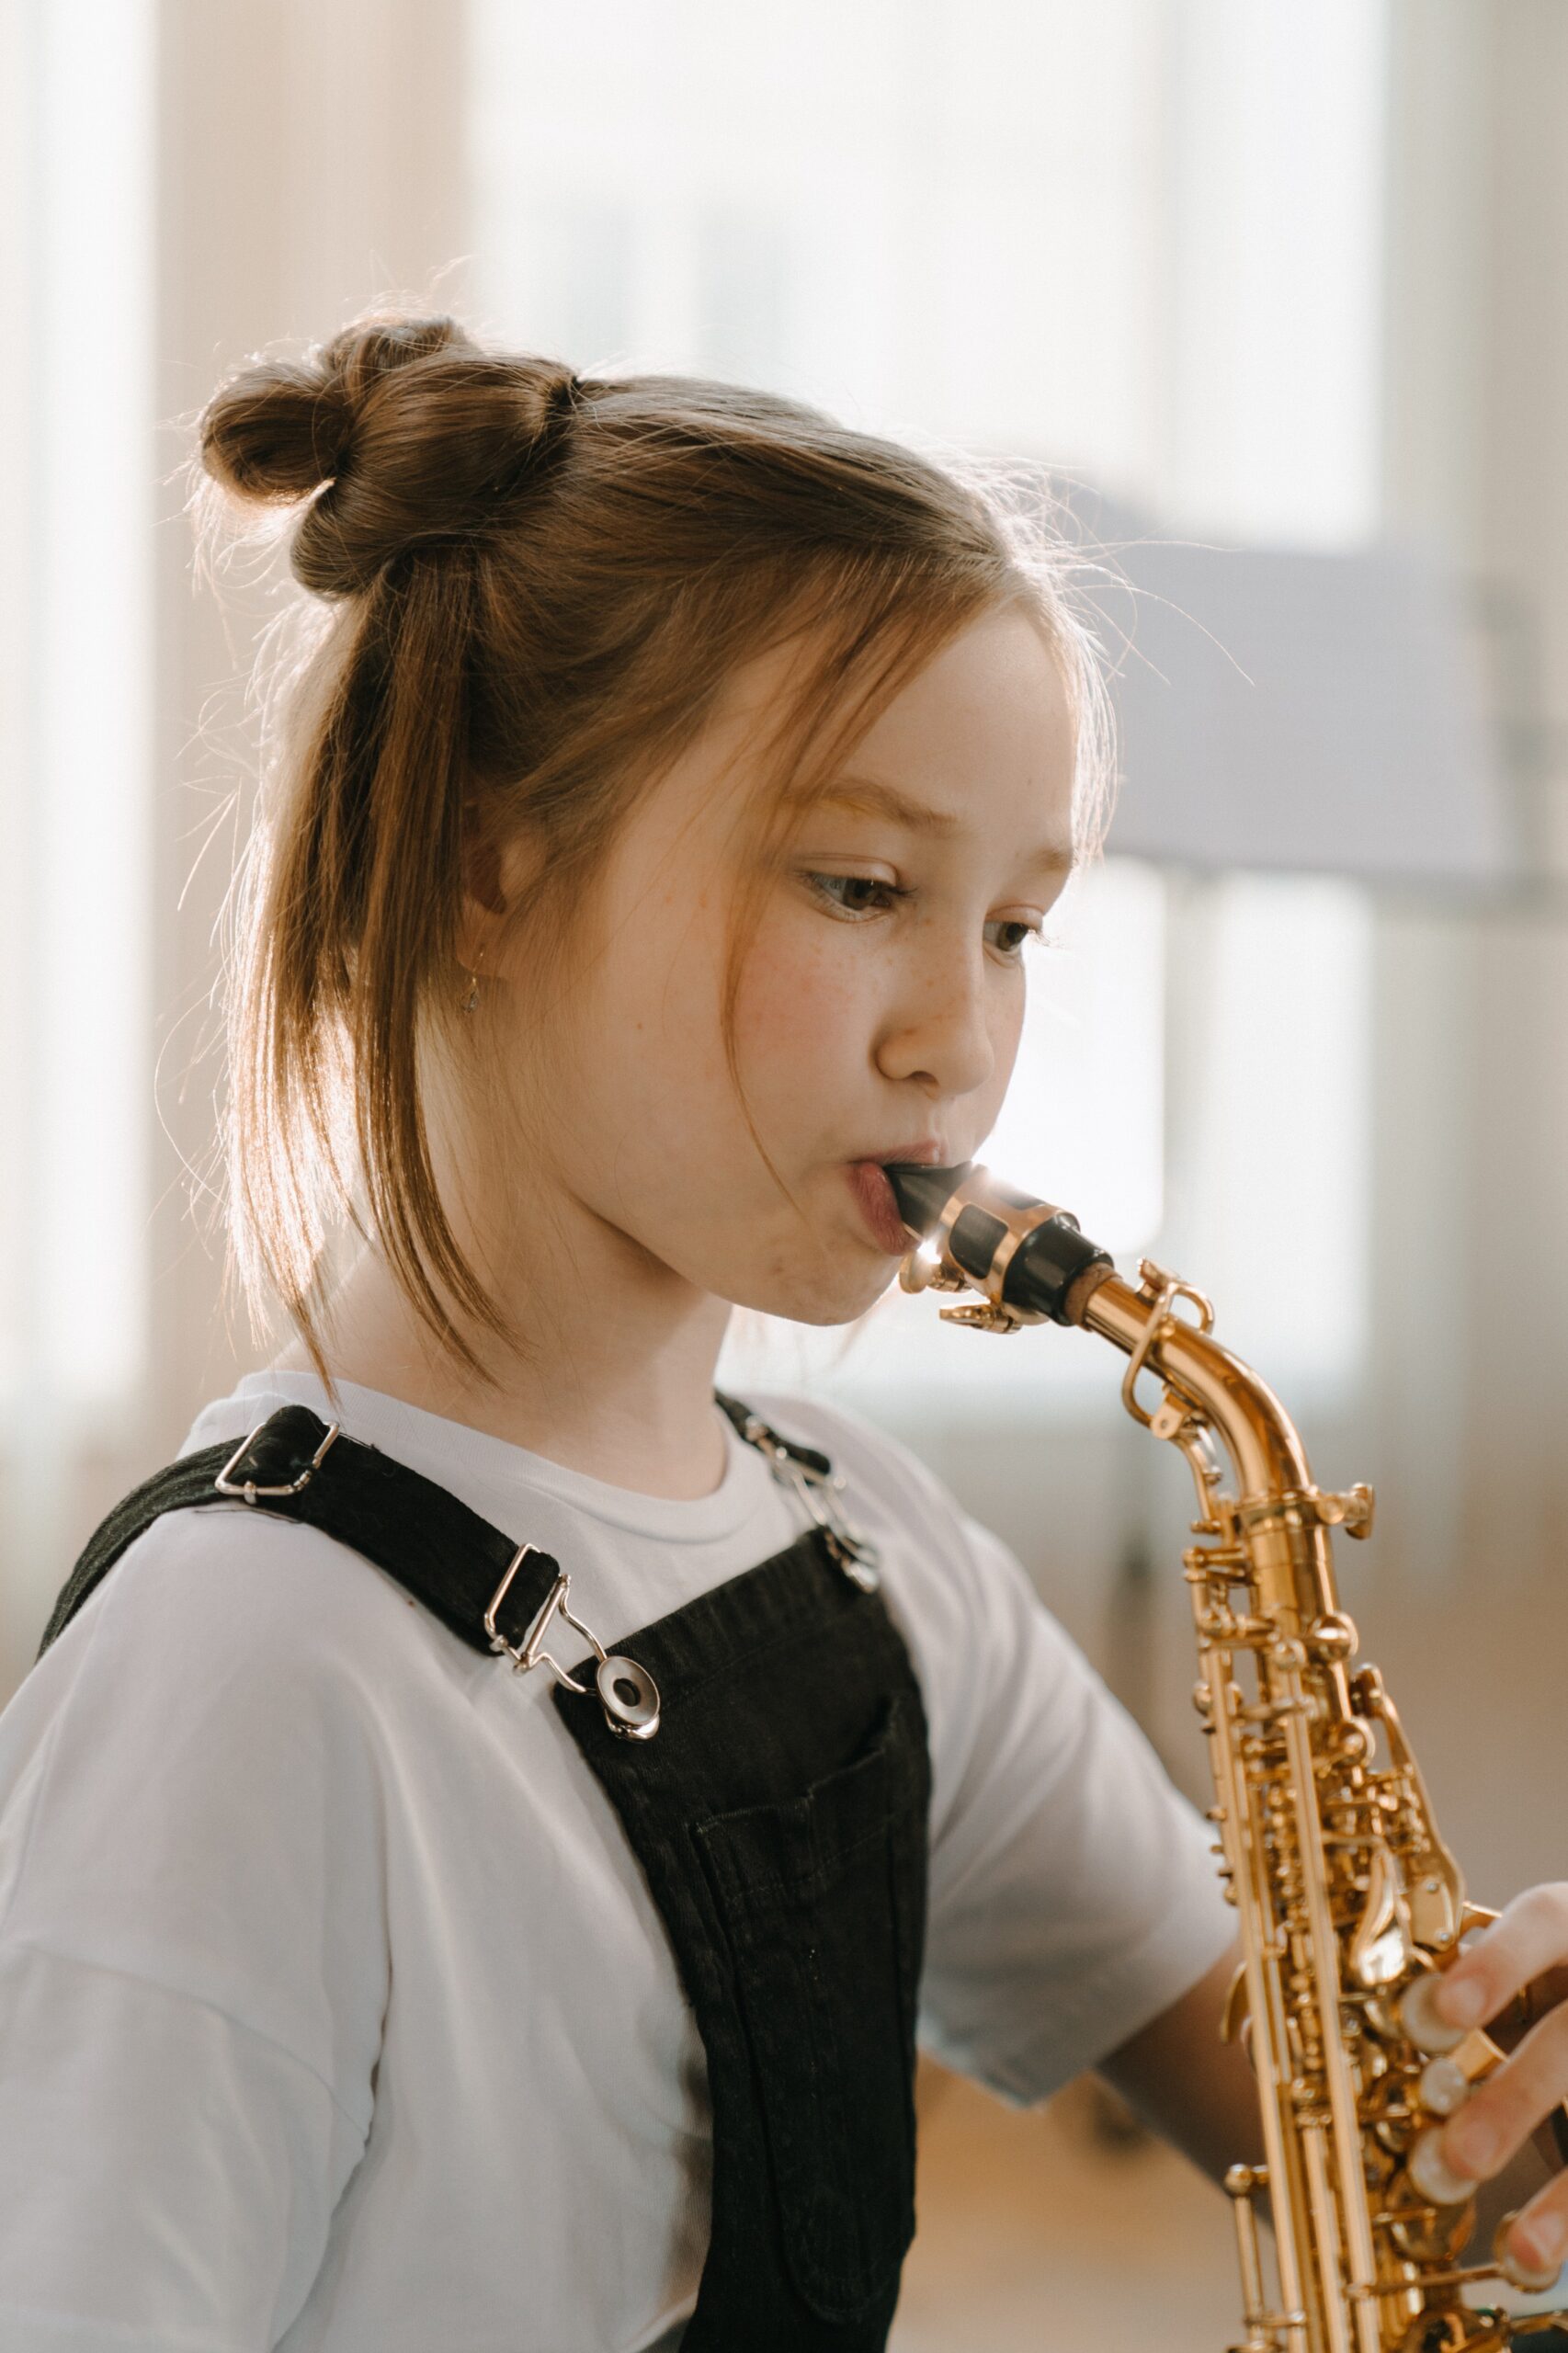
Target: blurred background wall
{"x": 1288, "y": 277}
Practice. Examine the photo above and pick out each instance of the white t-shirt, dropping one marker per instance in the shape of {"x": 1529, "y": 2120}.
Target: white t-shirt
{"x": 334, "y": 2012}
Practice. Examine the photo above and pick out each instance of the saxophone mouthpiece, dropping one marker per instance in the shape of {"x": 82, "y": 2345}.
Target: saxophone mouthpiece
{"x": 1025, "y": 1257}
{"x": 923, "y": 1194}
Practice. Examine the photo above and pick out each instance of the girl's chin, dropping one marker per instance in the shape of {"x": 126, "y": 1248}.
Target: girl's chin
{"x": 839, "y": 1294}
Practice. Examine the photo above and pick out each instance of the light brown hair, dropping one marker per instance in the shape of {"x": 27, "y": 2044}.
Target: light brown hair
{"x": 541, "y": 584}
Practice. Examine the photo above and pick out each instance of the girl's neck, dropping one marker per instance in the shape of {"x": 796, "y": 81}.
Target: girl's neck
{"x": 617, "y": 1383}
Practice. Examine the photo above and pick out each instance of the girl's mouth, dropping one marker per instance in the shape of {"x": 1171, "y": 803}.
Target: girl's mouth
{"x": 869, "y": 1183}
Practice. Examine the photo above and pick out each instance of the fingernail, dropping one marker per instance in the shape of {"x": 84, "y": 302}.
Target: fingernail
{"x": 1541, "y": 2239}
{"x": 1470, "y": 2146}
{"x": 1461, "y": 2001}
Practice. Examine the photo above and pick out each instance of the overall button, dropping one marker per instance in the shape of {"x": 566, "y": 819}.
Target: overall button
{"x": 629, "y": 1697}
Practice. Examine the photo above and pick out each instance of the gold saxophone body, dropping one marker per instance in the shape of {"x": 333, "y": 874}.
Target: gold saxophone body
{"x": 1347, "y": 1898}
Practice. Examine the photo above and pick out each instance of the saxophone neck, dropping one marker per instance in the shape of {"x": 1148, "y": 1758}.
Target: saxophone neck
{"x": 1199, "y": 1379}
{"x": 1226, "y": 1419}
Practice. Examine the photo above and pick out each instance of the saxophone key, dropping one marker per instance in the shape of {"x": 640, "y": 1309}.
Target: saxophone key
{"x": 1430, "y": 2032}
{"x": 1433, "y": 2176}
{"x": 1535, "y": 2278}
{"x": 1332, "y": 1637}
{"x": 1443, "y": 2086}
{"x": 1269, "y": 1712}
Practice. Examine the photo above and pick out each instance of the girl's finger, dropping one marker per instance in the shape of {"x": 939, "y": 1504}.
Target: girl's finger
{"x": 1501, "y": 2113}
{"x": 1538, "y": 2238}
{"x": 1529, "y": 1937}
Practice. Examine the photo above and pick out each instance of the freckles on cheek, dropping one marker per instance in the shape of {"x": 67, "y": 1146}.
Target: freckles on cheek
{"x": 795, "y": 1002}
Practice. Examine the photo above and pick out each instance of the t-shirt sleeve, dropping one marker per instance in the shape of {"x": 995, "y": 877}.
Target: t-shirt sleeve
{"x": 193, "y": 1963}
{"x": 1072, "y": 1893}
{"x": 166, "y": 2175}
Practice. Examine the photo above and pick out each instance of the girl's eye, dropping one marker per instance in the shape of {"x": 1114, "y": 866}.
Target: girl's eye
{"x": 859, "y": 895}
{"x": 1008, "y": 937}
{"x": 856, "y": 894}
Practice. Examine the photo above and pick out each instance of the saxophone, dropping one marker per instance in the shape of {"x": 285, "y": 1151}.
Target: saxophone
{"x": 1347, "y": 1898}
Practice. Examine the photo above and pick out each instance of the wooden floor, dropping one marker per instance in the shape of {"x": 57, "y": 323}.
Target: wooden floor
{"x": 1041, "y": 2229}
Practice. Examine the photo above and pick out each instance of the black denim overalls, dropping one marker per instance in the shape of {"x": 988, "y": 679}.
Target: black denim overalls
{"x": 764, "y": 1750}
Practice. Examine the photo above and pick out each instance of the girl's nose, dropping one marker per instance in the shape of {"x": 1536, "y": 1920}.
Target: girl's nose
{"x": 939, "y": 1032}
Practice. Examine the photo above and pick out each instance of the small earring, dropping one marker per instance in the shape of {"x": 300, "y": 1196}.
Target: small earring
{"x": 472, "y": 1000}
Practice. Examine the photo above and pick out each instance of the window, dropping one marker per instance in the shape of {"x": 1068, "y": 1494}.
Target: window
{"x": 1054, "y": 229}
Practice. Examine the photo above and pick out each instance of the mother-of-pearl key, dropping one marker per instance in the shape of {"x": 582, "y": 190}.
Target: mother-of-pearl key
{"x": 1433, "y": 2176}
{"x": 1421, "y": 2022}
{"x": 1429, "y": 2170}
{"x": 1534, "y": 2278}
{"x": 1443, "y": 2086}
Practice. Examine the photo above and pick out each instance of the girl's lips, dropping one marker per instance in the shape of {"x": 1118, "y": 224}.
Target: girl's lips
{"x": 869, "y": 1183}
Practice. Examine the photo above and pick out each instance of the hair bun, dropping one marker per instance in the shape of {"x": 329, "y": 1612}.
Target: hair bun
{"x": 276, "y": 432}
{"x": 407, "y": 429}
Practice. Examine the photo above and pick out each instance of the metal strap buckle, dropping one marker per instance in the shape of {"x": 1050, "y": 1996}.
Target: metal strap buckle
{"x": 226, "y": 1483}
{"x": 628, "y": 1693}
{"x": 820, "y": 1491}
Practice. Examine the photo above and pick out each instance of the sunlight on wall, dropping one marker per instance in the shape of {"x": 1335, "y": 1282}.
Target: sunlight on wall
{"x": 1273, "y": 1125}
{"x": 1084, "y": 1122}
{"x": 80, "y": 1077}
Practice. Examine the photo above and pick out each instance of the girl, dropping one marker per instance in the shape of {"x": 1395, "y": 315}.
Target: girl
{"x": 402, "y": 1947}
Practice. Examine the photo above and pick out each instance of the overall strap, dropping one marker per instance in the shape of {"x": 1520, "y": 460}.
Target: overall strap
{"x": 298, "y": 1467}
{"x": 811, "y": 1477}
{"x": 489, "y": 1590}
{"x": 765, "y": 1438}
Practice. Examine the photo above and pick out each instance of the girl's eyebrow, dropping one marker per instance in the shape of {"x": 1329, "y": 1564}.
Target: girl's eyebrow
{"x": 870, "y": 796}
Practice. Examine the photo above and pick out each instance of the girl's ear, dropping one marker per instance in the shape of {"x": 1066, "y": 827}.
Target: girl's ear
{"x": 482, "y": 872}
{"x": 517, "y": 864}
{"x": 482, "y": 899}
{"x": 497, "y": 877}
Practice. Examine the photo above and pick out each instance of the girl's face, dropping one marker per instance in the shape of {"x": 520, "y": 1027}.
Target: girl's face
{"x": 881, "y": 994}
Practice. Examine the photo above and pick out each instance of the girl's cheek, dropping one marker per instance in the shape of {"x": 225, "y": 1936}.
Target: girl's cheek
{"x": 1006, "y": 1036}
{"x": 801, "y": 984}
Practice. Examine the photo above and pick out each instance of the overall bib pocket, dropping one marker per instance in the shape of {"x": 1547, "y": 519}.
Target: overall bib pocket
{"x": 808, "y": 1892}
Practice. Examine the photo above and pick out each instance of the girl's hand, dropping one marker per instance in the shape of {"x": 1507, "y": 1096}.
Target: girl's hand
{"x": 1524, "y": 1951}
